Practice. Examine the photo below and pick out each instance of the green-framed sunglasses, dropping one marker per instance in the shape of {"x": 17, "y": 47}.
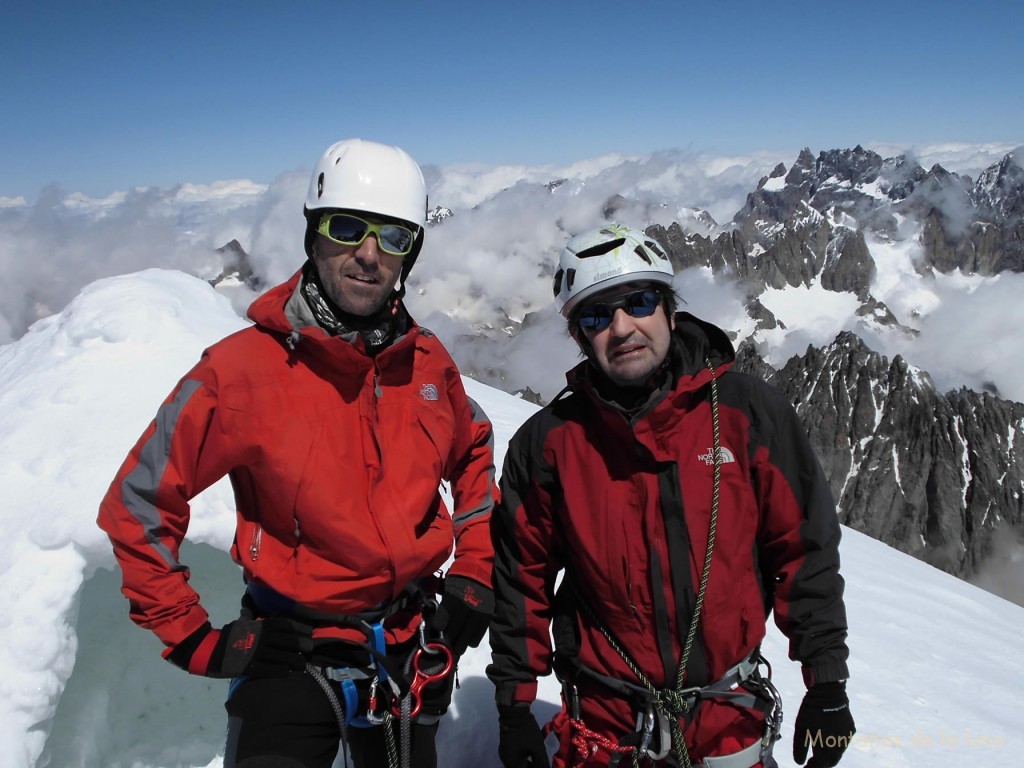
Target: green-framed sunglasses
{"x": 346, "y": 229}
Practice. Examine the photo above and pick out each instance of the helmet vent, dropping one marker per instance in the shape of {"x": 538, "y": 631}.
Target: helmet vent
{"x": 570, "y": 278}
{"x": 320, "y": 186}
{"x": 600, "y": 249}
{"x": 654, "y": 247}
{"x": 642, "y": 253}
{"x": 558, "y": 281}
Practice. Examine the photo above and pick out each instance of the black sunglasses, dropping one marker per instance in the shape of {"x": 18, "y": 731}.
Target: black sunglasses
{"x": 598, "y": 316}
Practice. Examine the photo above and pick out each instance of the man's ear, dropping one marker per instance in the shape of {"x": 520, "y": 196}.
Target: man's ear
{"x": 582, "y": 342}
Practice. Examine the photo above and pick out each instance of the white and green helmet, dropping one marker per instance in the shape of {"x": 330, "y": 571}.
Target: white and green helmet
{"x": 361, "y": 175}
{"x": 605, "y": 257}
{"x": 366, "y": 176}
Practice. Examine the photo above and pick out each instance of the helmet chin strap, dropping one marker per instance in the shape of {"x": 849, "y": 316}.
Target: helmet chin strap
{"x": 397, "y": 293}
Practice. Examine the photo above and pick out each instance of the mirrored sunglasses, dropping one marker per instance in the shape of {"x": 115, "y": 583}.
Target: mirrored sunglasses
{"x": 346, "y": 229}
{"x": 598, "y": 316}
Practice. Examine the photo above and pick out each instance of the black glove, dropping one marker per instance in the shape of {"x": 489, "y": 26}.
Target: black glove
{"x": 464, "y": 614}
{"x": 824, "y": 722}
{"x": 270, "y": 647}
{"x": 520, "y": 739}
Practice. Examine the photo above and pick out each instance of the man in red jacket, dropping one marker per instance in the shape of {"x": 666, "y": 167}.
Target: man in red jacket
{"x": 336, "y": 418}
{"x": 679, "y": 502}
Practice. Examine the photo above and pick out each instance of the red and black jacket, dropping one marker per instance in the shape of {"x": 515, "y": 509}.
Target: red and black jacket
{"x": 622, "y": 503}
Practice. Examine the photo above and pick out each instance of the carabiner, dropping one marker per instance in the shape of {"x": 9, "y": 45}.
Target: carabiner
{"x": 647, "y": 722}
{"x": 424, "y": 645}
{"x": 371, "y": 707}
{"x": 648, "y": 731}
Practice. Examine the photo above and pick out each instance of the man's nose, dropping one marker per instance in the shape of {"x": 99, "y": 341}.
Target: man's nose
{"x": 622, "y": 323}
{"x": 369, "y": 250}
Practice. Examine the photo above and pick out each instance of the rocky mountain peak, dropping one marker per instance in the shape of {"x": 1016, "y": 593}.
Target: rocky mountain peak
{"x": 439, "y": 214}
{"x": 237, "y": 267}
{"x": 856, "y": 166}
{"x": 1000, "y": 189}
{"x": 937, "y": 476}
{"x": 778, "y": 172}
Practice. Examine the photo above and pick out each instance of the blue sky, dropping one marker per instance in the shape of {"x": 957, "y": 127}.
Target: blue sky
{"x": 103, "y": 96}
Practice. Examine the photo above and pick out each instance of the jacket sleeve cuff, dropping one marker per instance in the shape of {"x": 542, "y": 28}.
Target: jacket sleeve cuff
{"x": 193, "y": 654}
{"x": 477, "y": 569}
{"x": 522, "y": 693}
{"x": 829, "y": 672}
{"x": 172, "y": 633}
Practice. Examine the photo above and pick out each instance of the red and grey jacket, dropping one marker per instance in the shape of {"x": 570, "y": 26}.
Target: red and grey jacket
{"x": 335, "y": 459}
{"x": 623, "y": 502}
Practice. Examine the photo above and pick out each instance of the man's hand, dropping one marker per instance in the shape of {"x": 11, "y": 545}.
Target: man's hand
{"x": 824, "y": 723}
{"x": 520, "y": 739}
{"x": 464, "y": 614}
{"x": 270, "y": 647}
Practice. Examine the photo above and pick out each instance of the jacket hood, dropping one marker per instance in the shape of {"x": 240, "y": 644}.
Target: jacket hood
{"x": 282, "y": 309}
{"x": 269, "y": 310}
{"x": 695, "y": 343}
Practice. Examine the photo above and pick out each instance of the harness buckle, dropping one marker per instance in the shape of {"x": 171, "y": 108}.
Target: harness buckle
{"x": 692, "y": 696}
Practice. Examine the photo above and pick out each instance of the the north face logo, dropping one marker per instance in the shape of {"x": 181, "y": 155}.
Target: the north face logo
{"x": 725, "y": 456}
{"x": 245, "y": 643}
{"x": 428, "y": 392}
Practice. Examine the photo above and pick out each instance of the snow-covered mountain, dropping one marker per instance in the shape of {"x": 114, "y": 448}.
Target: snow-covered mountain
{"x": 936, "y": 668}
{"x": 936, "y": 475}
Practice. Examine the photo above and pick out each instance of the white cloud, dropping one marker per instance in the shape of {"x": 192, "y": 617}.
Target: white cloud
{"x": 957, "y": 157}
{"x": 494, "y": 257}
{"x": 972, "y": 336}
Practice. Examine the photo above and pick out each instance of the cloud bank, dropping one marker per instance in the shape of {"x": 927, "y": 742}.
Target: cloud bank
{"x": 487, "y": 268}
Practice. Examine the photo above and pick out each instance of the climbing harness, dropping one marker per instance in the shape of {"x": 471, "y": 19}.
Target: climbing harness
{"x": 430, "y": 662}
{"x": 742, "y": 685}
{"x": 660, "y": 735}
{"x": 394, "y": 692}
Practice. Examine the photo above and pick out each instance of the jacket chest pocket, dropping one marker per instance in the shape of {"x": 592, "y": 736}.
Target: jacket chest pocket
{"x": 438, "y": 424}
{"x": 414, "y": 433}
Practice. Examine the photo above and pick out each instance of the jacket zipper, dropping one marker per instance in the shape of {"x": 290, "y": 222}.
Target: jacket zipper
{"x": 254, "y": 547}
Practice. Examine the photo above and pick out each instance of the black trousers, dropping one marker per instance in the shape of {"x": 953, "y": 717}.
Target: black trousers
{"x": 288, "y": 722}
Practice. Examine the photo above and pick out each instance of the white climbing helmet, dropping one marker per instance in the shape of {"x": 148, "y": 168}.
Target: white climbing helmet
{"x": 605, "y": 257}
{"x": 366, "y": 176}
